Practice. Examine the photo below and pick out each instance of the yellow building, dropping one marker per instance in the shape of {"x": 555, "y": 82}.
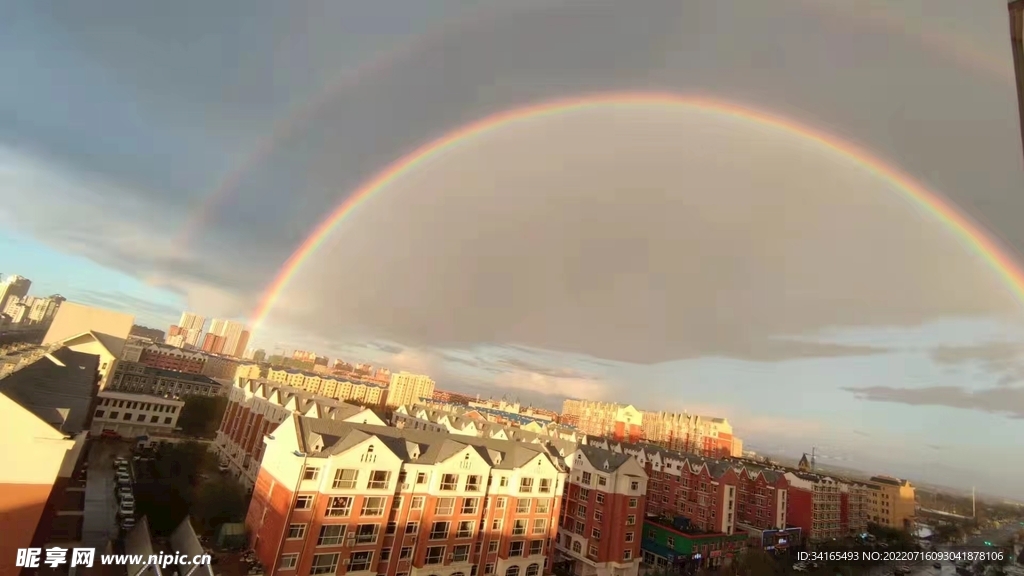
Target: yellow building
{"x": 891, "y": 502}
{"x": 406, "y": 388}
{"x": 361, "y": 392}
{"x": 249, "y": 371}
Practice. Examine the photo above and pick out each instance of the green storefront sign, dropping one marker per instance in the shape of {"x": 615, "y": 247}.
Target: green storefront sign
{"x": 667, "y": 542}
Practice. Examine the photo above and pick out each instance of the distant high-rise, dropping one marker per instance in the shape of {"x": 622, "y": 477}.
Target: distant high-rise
{"x": 1017, "y": 40}
{"x": 13, "y": 287}
{"x": 406, "y": 388}
{"x": 190, "y": 327}
{"x": 213, "y": 343}
{"x": 232, "y": 332}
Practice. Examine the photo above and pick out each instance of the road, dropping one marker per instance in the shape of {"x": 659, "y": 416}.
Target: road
{"x": 99, "y": 524}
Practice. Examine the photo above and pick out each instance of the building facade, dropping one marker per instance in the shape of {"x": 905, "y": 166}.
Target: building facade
{"x": 621, "y": 422}
{"x": 12, "y": 287}
{"x": 133, "y": 415}
{"x": 406, "y": 388}
{"x": 136, "y": 377}
{"x": 603, "y": 505}
{"x": 672, "y": 546}
{"x": 167, "y": 357}
{"x": 814, "y": 505}
{"x": 891, "y": 502}
{"x": 255, "y": 407}
{"x": 368, "y": 393}
{"x": 341, "y": 498}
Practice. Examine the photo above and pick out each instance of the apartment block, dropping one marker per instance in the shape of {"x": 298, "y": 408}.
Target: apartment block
{"x": 340, "y": 498}
{"x": 369, "y": 393}
{"x": 133, "y": 415}
{"x": 814, "y": 504}
{"x": 618, "y": 421}
{"x": 603, "y": 504}
{"x": 167, "y": 357}
{"x": 891, "y": 502}
{"x": 136, "y": 377}
{"x": 691, "y": 433}
{"x": 855, "y": 507}
{"x": 406, "y": 388}
{"x": 255, "y": 407}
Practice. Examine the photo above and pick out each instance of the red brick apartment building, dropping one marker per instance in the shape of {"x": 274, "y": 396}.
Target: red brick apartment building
{"x": 171, "y": 358}
{"x": 602, "y": 516}
{"x": 255, "y": 407}
{"x": 340, "y": 498}
{"x": 815, "y": 505}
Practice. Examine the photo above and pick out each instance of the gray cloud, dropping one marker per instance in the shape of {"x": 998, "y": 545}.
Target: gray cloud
{"x": 1003, "y": 359}
{"x": 1004, "y": 401}
{"x": 527, "y": 366}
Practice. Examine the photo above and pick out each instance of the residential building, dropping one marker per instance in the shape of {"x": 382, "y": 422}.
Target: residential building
{"x": 132, "y": 415}
{"x": 44, "y": 309}
{"x": 341, "y": 498}
{"x": 602, "y": 517}
{"x": 706, "y": 435}
{"x": 891, "y": 502}
{"x": 453, "y": 397}
{"x": 406, "y": 388}
{"x": 17, "y": 309}
{"x": 39, "y": 462}
{"x": 855, "y": 507}
{"x": 137, "y": 378}
{"x": 219, "y": 367}
{"x": 814, "y": 504}
{"x": 250, "y": 372}
{"x": 674, "y": 546}
{"x": 463, "y": 420}
{"x": 368, "y": 393}
{"x": 60, "y": 387}
{"x": 93, "y": 331}
{"x": 618, "y": 421}
{"x": 13, "y": 286}
{"x": 213, "y": 343}
{"x": 168, "y": 357}
{"x": 243, "y": 343}
{"x": 1016, "y": 8}
{"x": 231, "y": 333}
{"x": 255, "y": 407}
{"x": 190, "y": 328}
{"x": 304, "y": 356}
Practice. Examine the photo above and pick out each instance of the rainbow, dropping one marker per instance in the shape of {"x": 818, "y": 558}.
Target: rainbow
{"x": 986, "y": 247}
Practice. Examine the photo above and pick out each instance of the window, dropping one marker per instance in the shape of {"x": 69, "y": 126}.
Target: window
{"x": 632, "y": 502}
{"x": 627, "y": 555}
{"x": 523, "y": 506}
{"x": 634, "y": 485}
{"x": 405, "y": 553}
{"x": 545, "y": 486}
{"x": 421, "y": 477}
{"x": 412, "y": 527}
{"x": 536, "y": 547}
{"x": 324, "y": 564}
{"x": 500, "y": 505}
{"x": 592, "y": 551}
{"x": 345, "y": 478}
{"x": 526, "y": 485}
{"x": 367, "y": 533}
{"x": 114, "y": 415}
{"x": 449, "y": 482}
{"x": 435, "y": 555}
{"x": 598, "y": 516}
{"x": 167, "y": 420}
{"x": 296, "y": 531}
{"x": 154, "y": 419}
{"x": 360, "y": 561}
{"x": 470, "y": 505}
{"x": 304, "y": 502}
{"x": 460, "y": 553}
{"x": 519, "y": 528}
{"x": 595, "y": 534}
{"x": 543, "y": 506}
{"x": 586, "y": 478}
{"x": 465, "y": 529}
{"x": 577, "y": 547}
{"x": 339, "y": 506}
{"x": 439, "y": 531}
{"x": 580, "y": 527}
{"x": 581, "y": 511}
{"x": 385, "y": 554}
{"x": 373, "y": 506}
{"x": 602, "y": 481}
{"x": 473, "y": 483}
{"x": 492, "y": 546}
{"x": 669, "y": 541}
{"x": 392, "y": 528}
{"x": 540, "y": 525}
{"x": 396, "y": 504}
{"x": 503, "y": 481}
{"x": 512, "y": 571}
{"x": 629, "y": 536}
{"x": 98, "y": 414}
{"x": 445, "y": 506}
{"x": 496, "y": 525}
{"x": 417, "y": 503}
{"x": 489, "y": 569}
{"x": 379, "y": 480}
{"x": 288, "y": 562}
{"x": 533, "y": 569}
{"x": 631, "y": 520}
{"x": 127, "y": 416}
{"x": 515, "y": 549}
{"x": 331, "y": 535}
{"x": 310, "y": 473}
{"x": 600, "y": 498}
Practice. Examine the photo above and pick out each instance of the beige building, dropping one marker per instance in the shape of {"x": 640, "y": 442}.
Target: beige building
{"x": 338, "y": 388}
{"x": 132, "y": 415}
{"x": 891, "y": 502}
{"x": 407, "y": 388}
{"x": 93, "y": 331}
{"x": 13, "y": 287}
{"x": 249, "y": 371}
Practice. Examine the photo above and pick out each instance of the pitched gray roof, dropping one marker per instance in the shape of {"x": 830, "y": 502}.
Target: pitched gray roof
{"x": 419, "y": 446}
{"x": 599, "y": 457}
{"x": 61, "y": 393}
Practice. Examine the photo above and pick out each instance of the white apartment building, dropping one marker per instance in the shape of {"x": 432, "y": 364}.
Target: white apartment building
{"x": 132, "y": 415}
{"x": 379, "y": 500}
{"x": 406, "y": 388}
{"x": 255, "y": 407}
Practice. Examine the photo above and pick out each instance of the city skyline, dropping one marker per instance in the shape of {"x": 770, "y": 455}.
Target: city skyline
{"x": 657, "y": 255}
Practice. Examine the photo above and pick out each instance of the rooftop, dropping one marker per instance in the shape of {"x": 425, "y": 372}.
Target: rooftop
{"x": 58, "y": 387}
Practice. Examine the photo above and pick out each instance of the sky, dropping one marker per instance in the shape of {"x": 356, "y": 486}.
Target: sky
{"x": 155, "y": 158}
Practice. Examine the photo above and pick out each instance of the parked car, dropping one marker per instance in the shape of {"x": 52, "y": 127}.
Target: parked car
{"x": 223, "y": 467}
{"x": 124, "y": 479}
{"x": 127, "y": 523}
{"x": 110, "y": 434}
{"x": 126, "y": 509}
{"x": 128, "y": 499}
{"x": 122, "y": 490}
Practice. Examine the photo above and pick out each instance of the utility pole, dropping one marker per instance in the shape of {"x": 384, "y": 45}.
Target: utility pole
{"x": 813, "y": 450}
{"x": 974, "y": 506}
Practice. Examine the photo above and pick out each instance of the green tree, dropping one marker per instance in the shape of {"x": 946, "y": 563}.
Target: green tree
{"x": 201, "y": 415}
{"x": 757, "y": 562}
{"x": 218, "y": 501}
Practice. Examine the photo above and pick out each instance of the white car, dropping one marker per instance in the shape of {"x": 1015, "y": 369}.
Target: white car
{"x": 128, "y": 499}
{"x": 127, "y": 523}
{"x": 126, "y": 509}
{"x": 123, "y": 479}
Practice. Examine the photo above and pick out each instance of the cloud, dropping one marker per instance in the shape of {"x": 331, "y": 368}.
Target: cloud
{"x": 1005, "y": 401}
{"x": 535, "y": 384}
{"x": 1004, "y": 359}
{"x": 556, "y": 373}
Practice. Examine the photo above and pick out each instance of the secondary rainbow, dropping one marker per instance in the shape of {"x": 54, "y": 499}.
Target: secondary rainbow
{"x": 972, "y": 234}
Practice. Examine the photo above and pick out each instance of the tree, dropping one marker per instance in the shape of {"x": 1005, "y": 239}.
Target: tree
{"x": 757, "y": 562}
{"x": 201, "y": 415}
{"x": 167, "y": 498}
{"x": 219, "y": 501}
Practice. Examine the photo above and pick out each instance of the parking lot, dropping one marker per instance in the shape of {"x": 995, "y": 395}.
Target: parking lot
{"x": 101, "y": 521}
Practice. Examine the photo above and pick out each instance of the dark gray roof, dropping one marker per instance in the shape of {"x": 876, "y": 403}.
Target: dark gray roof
{"x": 61, "y": 393}
{"x": 419, "y": 446}
{"x": 599, "y": 457}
